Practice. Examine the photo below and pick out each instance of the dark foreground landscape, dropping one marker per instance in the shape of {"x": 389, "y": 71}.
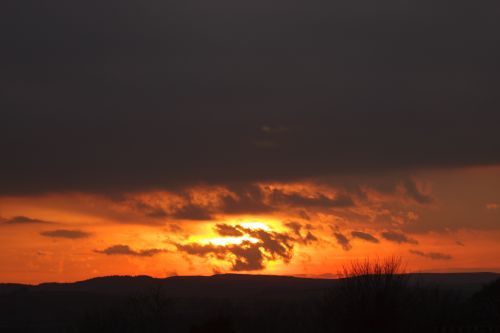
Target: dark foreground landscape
{"x": 460, "y": 302}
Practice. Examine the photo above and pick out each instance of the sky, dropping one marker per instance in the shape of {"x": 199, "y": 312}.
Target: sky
{"x": 265, "y": 137}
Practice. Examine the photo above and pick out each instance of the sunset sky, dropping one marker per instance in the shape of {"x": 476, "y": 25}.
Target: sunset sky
{"x": 267, "y": 137}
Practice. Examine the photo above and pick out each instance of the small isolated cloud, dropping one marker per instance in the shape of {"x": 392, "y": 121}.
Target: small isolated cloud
{"x": 63, "y": 233}
{"x": 492, "y": 206}
{"x": 342, "y": 241}
{"x": 310, "y": 238}
{"x": 414, "y": 193}
{"x": 127, "y": 251}
{"x": 432, "y": 255}
{"x": 364, "y": 236}
{"x": 20, "y": 220}
{"x": 303, "y": 215}
{"x": 296, "y": 228}
{"x": 398, "y": 237}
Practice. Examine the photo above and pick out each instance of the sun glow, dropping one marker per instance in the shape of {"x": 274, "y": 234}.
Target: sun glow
{"x": 224, "y": 241}
{"x": 255, "y": 226}
{"x": 214, "y": 238}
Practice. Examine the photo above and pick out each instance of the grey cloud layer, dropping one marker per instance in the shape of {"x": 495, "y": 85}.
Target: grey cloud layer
{"x": 125, "y": 95}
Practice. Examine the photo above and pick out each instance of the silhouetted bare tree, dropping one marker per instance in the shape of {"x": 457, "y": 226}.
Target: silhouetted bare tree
{"x": 368, "y": 298}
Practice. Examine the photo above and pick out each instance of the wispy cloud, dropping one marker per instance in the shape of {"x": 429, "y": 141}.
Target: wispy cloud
{"x": 432, "y": 255}
{"x": 20, "y": 220}
{"x": 398, "y": 237}
{"x": 364, "y": 236}
{"x": 342, "y": 241}
{"x": 64, "y": 233}
{"x": 127, "y": 251}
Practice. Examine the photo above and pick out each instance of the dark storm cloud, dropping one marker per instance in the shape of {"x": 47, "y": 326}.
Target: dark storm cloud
{"x": 21, "y": 220}
{"x": 124, "y": 95}
{"x": 296, "y": 227}
{"x": 398, "y": 237}
{"x": 246, "y": 256}
{"x": 364, "y": 236}
{"x": 432, "y": 255}
{"x": 126, "y": 250}
{"x": 63, "y": 233}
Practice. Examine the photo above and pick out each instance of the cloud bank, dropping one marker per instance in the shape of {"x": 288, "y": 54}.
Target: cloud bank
{"x": 269, "y": 90}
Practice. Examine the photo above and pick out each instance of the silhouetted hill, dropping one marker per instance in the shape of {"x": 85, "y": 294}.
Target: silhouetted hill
{"x": 53, "y": 307}
{"x": 9, "y": 288}
{"x": 235, "y": 285}
{"x": 465, "y": 282}
{"x": 223, "y": 285}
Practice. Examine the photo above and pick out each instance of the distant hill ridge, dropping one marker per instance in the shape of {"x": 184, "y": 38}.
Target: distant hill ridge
{"x": 235, "y": 285}
{"x": 253, "y": 301}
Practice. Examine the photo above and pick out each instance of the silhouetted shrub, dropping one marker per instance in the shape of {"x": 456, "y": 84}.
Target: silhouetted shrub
{"x": 369, "y": 297}
{"x": 375, "y": 296}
